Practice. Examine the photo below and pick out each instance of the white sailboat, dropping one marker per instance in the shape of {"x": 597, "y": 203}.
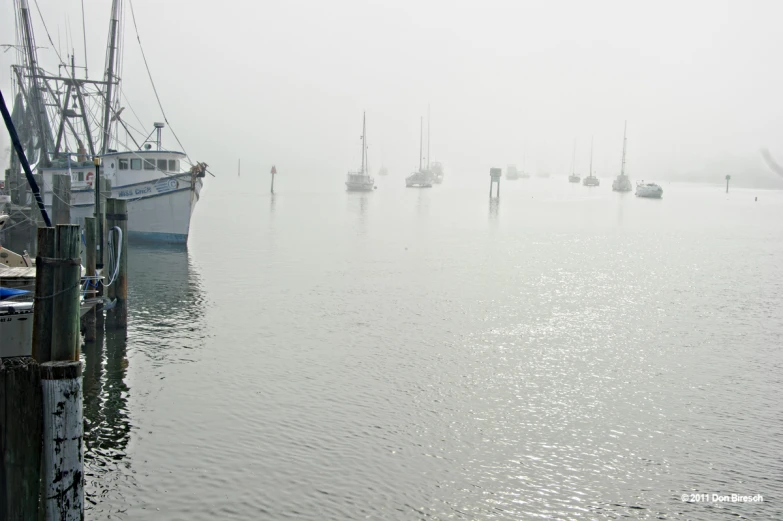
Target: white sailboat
{"x": 512, "y": 174}
{"x": 623, "y": 182}
{"x": 574, "y": 178}
{"x": 591, "y": 180}
{"x": 422, "y": 178}
{"x": 361, "y": 181}
{"x": 160, "y": 190}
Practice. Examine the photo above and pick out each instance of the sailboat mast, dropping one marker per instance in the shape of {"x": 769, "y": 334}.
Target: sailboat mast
{"x": 110, "y": 73}
{"x": 421, "y": 137}
{"x": 573, "y": 160}
{"x": 428, "y": 137}
{"x": 364, "y": 134}
{"x": 622, "y": 166}
{"x": 591, "y": 157}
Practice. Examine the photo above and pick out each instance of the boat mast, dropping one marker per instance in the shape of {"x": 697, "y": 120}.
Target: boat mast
{"x": 364, "y": 136}
{"x": 110, "y": 73}
{"x": 591, "y": 157}
{"x": 622, "y": 167}
{"x": 37, "y": 102}
{"x": 573, "y": 160}
{"x": 421, "y": 137}
{"x": 428, "y": 137}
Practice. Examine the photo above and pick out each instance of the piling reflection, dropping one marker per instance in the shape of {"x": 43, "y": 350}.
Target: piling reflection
{"x": 494, "y": 205}
{"x": 166, "y": 305}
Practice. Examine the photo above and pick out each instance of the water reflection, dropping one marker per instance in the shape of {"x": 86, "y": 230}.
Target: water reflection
{"x": 166, "y": 306}
{"x": 494, "y": 205}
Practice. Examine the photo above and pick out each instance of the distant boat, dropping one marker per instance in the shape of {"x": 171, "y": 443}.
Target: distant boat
{"x": 573, "y": 178}
{"x": 422, "y": 178}
{"x": 437, "y": 172}
{"x": 649, "y": 190}
{"x": 361, "y": 181}
{"x": 622, "y": 183}
{"x": 383, "y": 171}
{"x": 512, "y": 174}
{"x": 591, "y": 180}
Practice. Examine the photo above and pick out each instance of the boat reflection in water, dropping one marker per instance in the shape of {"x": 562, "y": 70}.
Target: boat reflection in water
{"x": 166, "y": 299}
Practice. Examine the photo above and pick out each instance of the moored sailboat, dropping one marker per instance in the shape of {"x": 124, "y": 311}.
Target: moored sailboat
{"x": 591, "y": 180}
{"x": 623, "y": 182}
{"x": 361, "y": 181}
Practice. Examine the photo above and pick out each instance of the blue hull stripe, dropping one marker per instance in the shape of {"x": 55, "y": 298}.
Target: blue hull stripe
{"x": 170, "y": 238}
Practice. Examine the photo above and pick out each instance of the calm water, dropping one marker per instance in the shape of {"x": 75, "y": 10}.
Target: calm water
{"x": 567, "y": 353}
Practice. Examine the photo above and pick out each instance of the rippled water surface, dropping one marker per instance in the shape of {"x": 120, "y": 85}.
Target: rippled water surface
{"x": 565, "y": 353}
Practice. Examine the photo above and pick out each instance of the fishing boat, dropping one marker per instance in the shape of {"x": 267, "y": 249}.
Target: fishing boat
{"x": 623, "y": 182}
{"x": 512, "y": 174}
{"x": 573, "y": 178}
{"x": 361, "y": 181}
{"x": 423, "y": 177}
{"x": 69, "y": 125}
{"x": 591, "y": 180}
{"x": 649, "y": 190}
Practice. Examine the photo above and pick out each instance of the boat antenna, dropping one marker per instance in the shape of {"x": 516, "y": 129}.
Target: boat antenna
{"x": 421, "y": 144}
{"x": 591, "y": 156}
{"x": 622, "y": 166}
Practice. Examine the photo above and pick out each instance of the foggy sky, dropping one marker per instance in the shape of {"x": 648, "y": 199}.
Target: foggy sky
{"x": 286, "y": 82}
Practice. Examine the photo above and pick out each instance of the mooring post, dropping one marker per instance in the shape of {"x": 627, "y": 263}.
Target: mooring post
{"x": 494, "y": 175}
{"x": 20, "y": 438}
{"x": 63, "y": 469}
{"x": 100, "y": 245}
{"x": 728, "y": 177}
{"x": 92, "y": 284}
{"x": 65, "y": 300}
{"x": 117, "y": 217}
{"x": 62, "y": 484}
{"x": 44, "y": 288}
{"x": 61, "y": 199}
{"x": 36, "y": 219}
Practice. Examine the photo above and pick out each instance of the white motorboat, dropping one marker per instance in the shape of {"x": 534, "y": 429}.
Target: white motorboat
{"x": 649, "y": 190}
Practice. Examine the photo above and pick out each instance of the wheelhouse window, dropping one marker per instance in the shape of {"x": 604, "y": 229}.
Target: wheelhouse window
{"x": 149, "y": 164}
{"x": 81, "y": 176}
{"x": 123, "y": 164}
{"x": 162, "y": 163}
{"x": 135, "y": 164}
{"x": 173, "y": 165}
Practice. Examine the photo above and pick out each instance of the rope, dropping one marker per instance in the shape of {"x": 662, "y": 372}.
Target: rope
{"x": 155, "y": 90}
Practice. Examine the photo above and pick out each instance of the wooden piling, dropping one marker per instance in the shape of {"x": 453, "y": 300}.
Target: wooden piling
{"x": 494, "y": 177}
{"x": 100, "y": 238}
{"x": 90, "y": 253}
{"x": 117, "y": 216}
{"x": 61, "y": 199}
{"x": 63, "y": 469}
{"x": 20, "y": 438}
{"x": 728, "y": 177}
{"x": 67, "y": 276}
{"x": 44, "y": 288}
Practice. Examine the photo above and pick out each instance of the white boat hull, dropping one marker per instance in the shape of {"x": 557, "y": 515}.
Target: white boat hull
{"x": 158, "y": 210}
{"x": 622, "y": 184}
{"x": 649, "y": 191}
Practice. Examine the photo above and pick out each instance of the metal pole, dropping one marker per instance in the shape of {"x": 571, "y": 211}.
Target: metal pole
{"x": 98, "y": 213}
{"x": 23, "y": 159}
